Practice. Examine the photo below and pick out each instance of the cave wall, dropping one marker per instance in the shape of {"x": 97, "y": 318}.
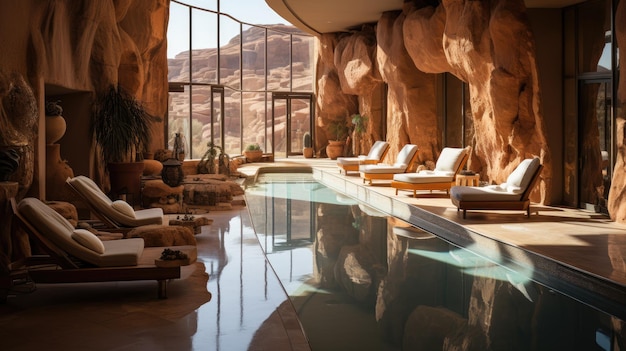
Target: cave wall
{"x": 84, "y": 46}
{"x": 472, "y": 41}
{"x": 617, "y": 194}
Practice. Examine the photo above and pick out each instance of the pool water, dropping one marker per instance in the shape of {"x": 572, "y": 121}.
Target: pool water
{"x": 361, "y": 280}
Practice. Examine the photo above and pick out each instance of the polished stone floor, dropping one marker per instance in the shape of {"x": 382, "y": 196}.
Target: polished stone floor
{"x": 231, "y": 299}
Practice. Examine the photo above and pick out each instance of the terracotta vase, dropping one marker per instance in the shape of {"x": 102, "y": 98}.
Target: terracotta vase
{"x": 55, "y": 128}
{"x": 253, "y": 155}
{"x": 335, "y": 148}
{"x": 307, "y": 152}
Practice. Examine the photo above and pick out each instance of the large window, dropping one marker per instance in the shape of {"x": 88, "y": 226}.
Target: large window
{"x": 222, "y": 72}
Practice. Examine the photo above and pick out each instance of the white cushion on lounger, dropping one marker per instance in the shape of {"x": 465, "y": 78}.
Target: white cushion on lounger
{"x": 58, "y": 230}
{"x": 88, "y": 240}
{"x": 487, "y": 193}
{"x": 376, "y": 152}
{"x": 449, "y": 159}
{"x": 382, "y": 168}
{"x": 424, "y": 177}
{"x": 101, "y": 203}
{"x": 123, "y": 207}
{"x": 520, "y": 178}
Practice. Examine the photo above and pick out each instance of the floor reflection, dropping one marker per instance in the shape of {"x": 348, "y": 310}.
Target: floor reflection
{"x": 369, "y": 282}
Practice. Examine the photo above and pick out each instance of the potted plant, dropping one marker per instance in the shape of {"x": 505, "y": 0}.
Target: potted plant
{"x": 307, "y": 148}
{"x": 253, "y": 153}
{"x": 207, "y": 162}
{"x": 360, "y": 124}
{"x": 122, "y": 131}
{"x": 335, "y": 146}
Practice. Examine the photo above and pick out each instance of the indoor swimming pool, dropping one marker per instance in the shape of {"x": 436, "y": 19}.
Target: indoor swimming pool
{"x": 362, "y": 280}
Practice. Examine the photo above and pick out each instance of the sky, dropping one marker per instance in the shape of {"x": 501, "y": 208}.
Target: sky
{"x": 249, "y": 11}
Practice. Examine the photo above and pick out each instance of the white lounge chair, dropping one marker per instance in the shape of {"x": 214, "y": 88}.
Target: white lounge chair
{"x": 449, "y": 164}
{"x": 511, "y": 195}
{"x": 117, "y": 215}
{"x": 78, "y": 256}
{"x": 404, "y": 161}
{"x": 375, "y": 155}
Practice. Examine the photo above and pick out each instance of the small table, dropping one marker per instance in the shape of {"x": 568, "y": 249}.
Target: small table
{"x": 468, "y": 179}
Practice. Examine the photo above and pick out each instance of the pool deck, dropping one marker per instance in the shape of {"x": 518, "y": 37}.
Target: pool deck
{"x": 577, "y": 252}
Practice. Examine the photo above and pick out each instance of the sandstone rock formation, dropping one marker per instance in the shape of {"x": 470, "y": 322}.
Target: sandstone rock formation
{"x": 470, "y": 40}
{"x": 87, "y": 46}
{"x": 617, "y": 195}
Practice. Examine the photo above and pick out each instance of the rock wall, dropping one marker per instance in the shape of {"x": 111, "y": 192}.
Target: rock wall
{"x": 617, "y": 194}
{"x": 469, "y": 39}
{"x": 87, "y": 46}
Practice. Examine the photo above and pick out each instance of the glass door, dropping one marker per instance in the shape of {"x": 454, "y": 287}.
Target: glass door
{"x": 292, "y": 116}
{"x": 596, "y": 146}
{"x": 217, "y": 116}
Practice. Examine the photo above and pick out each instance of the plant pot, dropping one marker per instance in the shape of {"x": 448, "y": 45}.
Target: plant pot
{"x": 307, "y": 152}
{"x": 55, "y": 128}
{"x": 253, "y": 155}
{"x": 125, "y": 179}
{"x": 335, "y": 149}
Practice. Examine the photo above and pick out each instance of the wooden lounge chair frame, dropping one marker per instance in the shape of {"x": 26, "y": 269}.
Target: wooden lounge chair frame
{"x": 369, "y": 177}
{"x": 59, "y": 267}
{"x": 521, "y": 205}
{"x": 355, "y": 167}
{"x": 443, "y": 186}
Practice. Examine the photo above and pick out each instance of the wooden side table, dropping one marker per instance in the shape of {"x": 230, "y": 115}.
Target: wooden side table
{"x": 468, "y": 180}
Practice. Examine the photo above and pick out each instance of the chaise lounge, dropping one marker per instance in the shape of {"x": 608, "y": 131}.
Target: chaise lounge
{"x": 449, "y": 164}
{"x": 404, "y": 161}
{"x": 116, "y": 215}
{"x": 511, "y": 195}
{"x": 78, "y": 256}
{"x": 375, "y": 155}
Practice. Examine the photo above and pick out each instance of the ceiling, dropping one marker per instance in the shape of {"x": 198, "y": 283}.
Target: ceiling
{"x": 327, "y": 16}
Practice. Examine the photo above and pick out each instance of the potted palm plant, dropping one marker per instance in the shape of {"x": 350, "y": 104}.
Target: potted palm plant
{"x": 253, "y": 152}
{"x": 335, "y": 147}
{"x": 360, "y": 125}
{"x": 122, "y": 131}
{"x": 307, "y": 145}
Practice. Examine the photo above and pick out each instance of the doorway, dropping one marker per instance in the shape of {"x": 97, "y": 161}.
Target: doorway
{"x": 292, "y": 116}
{"x": 596, "y": 143}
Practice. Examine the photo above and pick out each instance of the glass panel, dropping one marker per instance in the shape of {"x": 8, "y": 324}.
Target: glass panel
{"x": 594, "y": 28}
{"x": 595, "y": 144}
{"x": 230, "y": 40}
{"x": 232, "y": 122}
{"x": 254, "y": 119}
{"x": 299, "y": 123}
{"x": 269, "y": 136}
{"x": 280, "y": 128}
{"x": 178, "y": 116}
{"x": 201, "y": 117}
{"x": 253, "y": 58}
{"x": 302, "y": 61}
{"x": 204, "y": 44}
{"x": 178, "y": 43}
{"x": 278, "y": 49}
{"x": 217, "y": 111}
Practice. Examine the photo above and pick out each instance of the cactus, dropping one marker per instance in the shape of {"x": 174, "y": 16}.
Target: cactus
{"x": 306, "y": 140}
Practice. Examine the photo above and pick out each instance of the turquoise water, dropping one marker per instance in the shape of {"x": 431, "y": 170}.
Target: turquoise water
{"x": 361, "y": 280}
